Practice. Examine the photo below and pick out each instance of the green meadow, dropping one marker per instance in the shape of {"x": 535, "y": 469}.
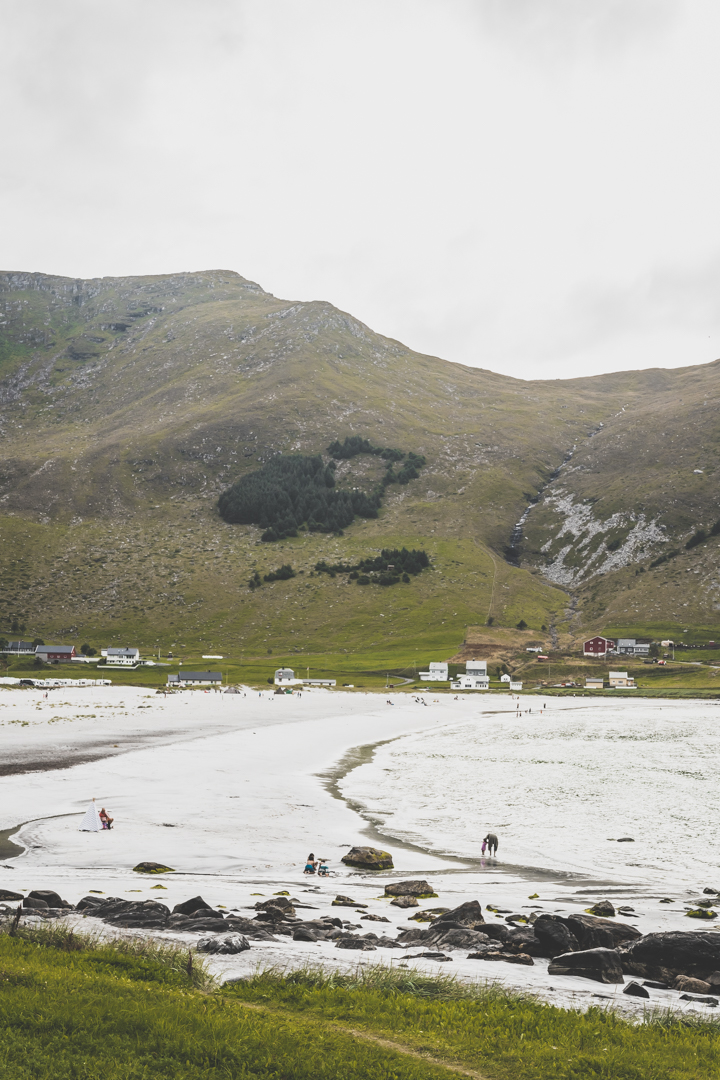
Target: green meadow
{"x": 76, "y": 1009}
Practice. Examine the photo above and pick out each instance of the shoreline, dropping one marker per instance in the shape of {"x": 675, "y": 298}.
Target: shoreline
{"x": 233, "y": 793}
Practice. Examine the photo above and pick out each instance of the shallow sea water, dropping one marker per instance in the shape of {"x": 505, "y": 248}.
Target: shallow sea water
{"x": 559, "y": 788}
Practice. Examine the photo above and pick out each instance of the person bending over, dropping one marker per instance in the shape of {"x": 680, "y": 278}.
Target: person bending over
{"x": 105, "y": 818}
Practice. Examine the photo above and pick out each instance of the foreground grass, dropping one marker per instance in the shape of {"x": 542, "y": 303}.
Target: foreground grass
{"x": 499, "y": 1034}
{"x": 76, "y": 1009}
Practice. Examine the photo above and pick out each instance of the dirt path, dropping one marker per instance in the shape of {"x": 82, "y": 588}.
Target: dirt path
{"x": 377, "y": 1040}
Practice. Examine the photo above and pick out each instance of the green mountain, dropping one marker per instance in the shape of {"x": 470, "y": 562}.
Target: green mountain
{"x": 128, "y": 405}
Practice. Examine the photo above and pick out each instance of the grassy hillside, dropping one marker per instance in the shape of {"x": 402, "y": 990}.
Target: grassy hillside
{"x": 128, "y": 405}
{"x": 73, "y": 1008}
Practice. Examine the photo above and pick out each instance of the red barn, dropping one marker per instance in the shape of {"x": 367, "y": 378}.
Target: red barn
{"x": 598, "y": 646}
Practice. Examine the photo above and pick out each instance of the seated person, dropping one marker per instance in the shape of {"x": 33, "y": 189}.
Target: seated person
{"x": 106, "y": 819}
{"x": 323, "y": 870}
{"x": 310, "y": 865}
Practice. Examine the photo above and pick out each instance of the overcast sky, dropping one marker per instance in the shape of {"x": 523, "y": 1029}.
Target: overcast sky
{"x": 529, "y": 186}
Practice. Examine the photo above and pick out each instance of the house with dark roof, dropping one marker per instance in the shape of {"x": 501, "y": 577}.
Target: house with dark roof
{"x": 54, "y": 654}
{"x": 19, "y": 648}
{"x": 197, "y": 678}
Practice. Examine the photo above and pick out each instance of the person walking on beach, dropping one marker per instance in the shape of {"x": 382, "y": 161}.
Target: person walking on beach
{"x": 492, "y": 843}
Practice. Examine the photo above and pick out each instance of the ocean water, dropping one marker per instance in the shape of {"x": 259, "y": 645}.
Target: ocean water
{"x": 559, "y": 788}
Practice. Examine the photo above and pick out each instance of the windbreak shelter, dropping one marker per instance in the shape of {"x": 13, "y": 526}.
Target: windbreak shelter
{"x": 91, "y": 822}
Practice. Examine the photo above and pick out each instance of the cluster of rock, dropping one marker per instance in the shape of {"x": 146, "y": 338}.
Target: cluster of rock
{"x": 580, "y": 944}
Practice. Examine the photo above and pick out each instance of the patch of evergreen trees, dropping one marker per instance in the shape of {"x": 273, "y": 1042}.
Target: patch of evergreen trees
{"x": 390, "y": 567}
{"x": 293, "y": 491}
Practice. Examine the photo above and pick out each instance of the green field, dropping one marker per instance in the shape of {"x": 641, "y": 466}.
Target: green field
{"x": 73, "y": 1009}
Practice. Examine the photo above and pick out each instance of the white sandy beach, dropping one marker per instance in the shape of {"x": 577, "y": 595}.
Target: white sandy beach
{"x": 233, "y": 791}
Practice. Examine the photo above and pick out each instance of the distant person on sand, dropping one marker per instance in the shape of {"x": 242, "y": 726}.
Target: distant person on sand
{"x": 483, "y": 849}
{"x": 106, "y": 819}
{"x": 492, "y": 843}
{"x": 323, "y": 870}
{"x": 310, "y": 865}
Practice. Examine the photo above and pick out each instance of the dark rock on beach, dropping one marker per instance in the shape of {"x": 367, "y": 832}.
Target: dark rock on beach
{"x": 52, "y": 899}
{"x": 593, "y": 933}
{"x": 467, "y": 915}
{"x": 554, "y": 937}
{"x": 666, "y": 955}
{"x": 634, "y": 989}
{"x": 233, "y": 943}
{"x": 152, "y": 868}
{"x": 368, "y": 858}
{"x": 189, "y": 907}
{"x": 374, "y": 918}
{"x": 5, "y": 894}
{"x": 303, "y": 933}
{"x": 346, "y": 901}
{"x": 354, "y": 943}
{"x": 493, "y": 953}
{"x": 689, "y": 985}
{"x": 415, "y": 887}
{"x": 404, "y": 902}
{"x": 601, "y": 965}
{"x": 32, "y": 904}
{"x": 603, "y": 908}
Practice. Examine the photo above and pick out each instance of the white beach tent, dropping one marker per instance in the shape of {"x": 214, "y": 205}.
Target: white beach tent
{"x": 91, "y": 822}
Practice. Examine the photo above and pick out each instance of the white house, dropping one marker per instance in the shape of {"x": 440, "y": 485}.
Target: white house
{"x": 505, "y": 678}
{"x": 630, "y": 647}
{"x": 475, "y": 677}
{"x": 476, "y": 667}
{"x": 470, "y": 682}
{"x": 515, "y": 685}
{"x": 121, "y": 657}
{"x": 285, "y": 676}
{"x": 593, "y": 682}
{"x": 437, "y": 673}
{"x": 620, "y": 678}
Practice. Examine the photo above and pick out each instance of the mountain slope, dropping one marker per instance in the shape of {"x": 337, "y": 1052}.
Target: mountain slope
{"x": 127, "y": 406}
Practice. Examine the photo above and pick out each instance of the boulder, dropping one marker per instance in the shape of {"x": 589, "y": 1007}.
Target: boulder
{"x": 374, "y": 918}
{"x": 414, "y": 887}
{"x": 232, "y": 943}
{"x": 466, "y": 916}
{"x": 601, "y": 965}
{"x": 498, "y": 954}
{"x": 35, "y": 905}
{"x": 691, "y": 986}
{"x": 189, "y": 907}
{"x": 346, "y": 901}
{"x": 206, "y": 913}
{"x": 554, "y": 937}
{"x": 634, "y": 989}
{"x": 387, "y": 943}
{"x": 152, "y": 868}
{"x": 701, "y": 913}
{"x": 368, "y": 858}
{"x": 714, "y": 979}
{"x": 6, "y": 894}
{"x": 358, "y": 943}
{"x": 439, "y": 956}
{"x": 461, "y": 939}
{"x": 280, "y": 903}
{"x": 594, "y": 933}
{"x": 404, "y": 902}
{"x": 666, "y": 955}
{"x": 702, "y": 1000}
{"x": 89, "y": 903}
{"x": 625, "y": 840}
{"x": 52, "y": 899}
{"x": 603, "y": 908}
{"x": 428, "y": 914}
{"x": 303, "y": 934}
